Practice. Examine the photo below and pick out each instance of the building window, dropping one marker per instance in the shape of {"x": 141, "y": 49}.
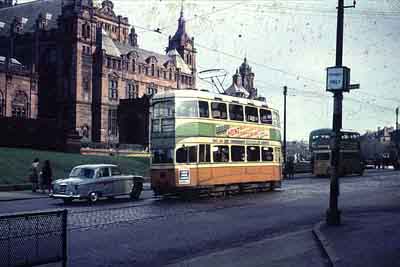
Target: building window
{"x": 19, "y": 105}
{"x": 146, "y": 70}
{"x": 112, "y": 122}
{"x": 165, "y": 74}
{"x": 152, "y": 70}
{"x": 114, "y": 64}
{"x": 134, "y": 66}
{"x": 151, "y": 89}
{"x": 112, "y": 89}
{"x": 1, "y": 104}
{"x": 86, "y": 85}
{"x": 170, "y": 74}
{"x": 132, "y": 90}
{"x": 108, "y": 62}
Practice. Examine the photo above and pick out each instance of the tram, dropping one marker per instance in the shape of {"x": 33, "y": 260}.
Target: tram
{"x": 205, "y": 142}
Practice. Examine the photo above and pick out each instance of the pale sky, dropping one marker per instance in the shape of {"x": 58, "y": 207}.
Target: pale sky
{"x": 289, "y": 43}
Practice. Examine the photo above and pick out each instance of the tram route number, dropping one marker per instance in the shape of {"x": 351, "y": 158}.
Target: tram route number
{"x": 184, "y": 176}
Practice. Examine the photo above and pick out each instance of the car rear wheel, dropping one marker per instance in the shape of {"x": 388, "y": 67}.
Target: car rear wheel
{"x": 136, "y": 190}
{"x": 93, "y": 197}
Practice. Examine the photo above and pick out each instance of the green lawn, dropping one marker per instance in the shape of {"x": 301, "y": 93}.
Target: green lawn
{"x": 15, "y": 163}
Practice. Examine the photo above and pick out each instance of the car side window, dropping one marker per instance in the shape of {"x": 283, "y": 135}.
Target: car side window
{"x": 115, "y": 171}
{"x": 104, "y": 172}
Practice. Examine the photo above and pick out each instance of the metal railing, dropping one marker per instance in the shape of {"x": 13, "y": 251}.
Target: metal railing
{"x": 33, "y": 238}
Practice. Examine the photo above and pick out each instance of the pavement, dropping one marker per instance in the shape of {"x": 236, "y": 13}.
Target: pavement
{"x": 366, "y": 239}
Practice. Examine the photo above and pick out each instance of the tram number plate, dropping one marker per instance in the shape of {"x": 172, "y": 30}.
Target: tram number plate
{"x": 184, "y": 177}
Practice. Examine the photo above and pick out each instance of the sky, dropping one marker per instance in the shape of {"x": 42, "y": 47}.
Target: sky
{"x": 290, "y": 43}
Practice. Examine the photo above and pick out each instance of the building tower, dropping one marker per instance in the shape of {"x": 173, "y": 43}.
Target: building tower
{"x": 182, "y": 43}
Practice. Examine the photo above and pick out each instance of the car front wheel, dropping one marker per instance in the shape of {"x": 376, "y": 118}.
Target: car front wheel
{"x": 93, "y": 197}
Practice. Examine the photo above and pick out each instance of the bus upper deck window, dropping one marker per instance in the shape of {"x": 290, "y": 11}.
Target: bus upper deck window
{"x": 236, "y": 112}
{"x": 218, "y": 110}
{"x": 251, "y": 114}
{"x": 203, "y": 109}
{"x": 266, "y": 116}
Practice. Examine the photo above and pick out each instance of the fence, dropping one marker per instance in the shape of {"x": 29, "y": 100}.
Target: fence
{"x": 30, "y": 239}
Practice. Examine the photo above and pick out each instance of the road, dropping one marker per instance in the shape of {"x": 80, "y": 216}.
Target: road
{"x": 160, "y": 232}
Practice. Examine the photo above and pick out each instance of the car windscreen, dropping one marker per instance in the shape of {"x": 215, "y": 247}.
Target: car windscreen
{"x": 82, "y": 173}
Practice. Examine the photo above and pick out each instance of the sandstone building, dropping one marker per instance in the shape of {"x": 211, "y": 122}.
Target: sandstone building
{"x": 88, "y": 59}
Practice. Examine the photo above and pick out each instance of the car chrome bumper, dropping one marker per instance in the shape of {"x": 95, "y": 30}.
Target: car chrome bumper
{"x": 65, "y": 196}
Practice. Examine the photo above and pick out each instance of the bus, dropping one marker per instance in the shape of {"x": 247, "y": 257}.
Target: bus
{"x": 203, "y": 141}
{"x": 350, "y": 160}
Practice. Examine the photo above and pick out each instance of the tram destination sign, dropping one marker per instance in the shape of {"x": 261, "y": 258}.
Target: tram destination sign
{"x": 337, "y": 79}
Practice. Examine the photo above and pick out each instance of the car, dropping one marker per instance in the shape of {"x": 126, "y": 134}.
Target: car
{"x": 93, "y": 181}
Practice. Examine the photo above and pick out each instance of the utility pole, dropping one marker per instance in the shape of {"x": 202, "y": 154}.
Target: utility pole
{"x": 284, "y": 132}
{"x": 333, "y": 213}
{"x": 397, "y": 118}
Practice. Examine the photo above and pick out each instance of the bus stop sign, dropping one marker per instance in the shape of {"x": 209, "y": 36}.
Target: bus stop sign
{"x": 337, "y": 79}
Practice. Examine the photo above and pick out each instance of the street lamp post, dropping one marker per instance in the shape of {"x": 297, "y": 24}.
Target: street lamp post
{"x": 397, "y": 118}
{"x": 284, "y": 132}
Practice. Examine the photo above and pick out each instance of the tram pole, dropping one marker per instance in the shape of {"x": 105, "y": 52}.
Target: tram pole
{"x": 284, "y": 132}
{"x": 397, "y": 118}
{"x": 333, "y": 213}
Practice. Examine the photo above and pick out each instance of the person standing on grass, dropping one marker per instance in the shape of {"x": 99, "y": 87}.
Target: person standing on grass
{"x": 46, "y": 176}
{"x": 34, "y": 177}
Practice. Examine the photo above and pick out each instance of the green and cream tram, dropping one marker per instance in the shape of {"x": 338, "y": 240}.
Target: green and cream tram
{"x": 202, "y": 140}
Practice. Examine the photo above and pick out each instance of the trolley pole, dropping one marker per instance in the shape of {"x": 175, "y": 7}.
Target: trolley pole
{"x": 284, "y": 132}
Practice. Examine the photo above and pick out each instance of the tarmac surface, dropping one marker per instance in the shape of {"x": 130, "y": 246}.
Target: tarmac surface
{"x": 281, "y": 228}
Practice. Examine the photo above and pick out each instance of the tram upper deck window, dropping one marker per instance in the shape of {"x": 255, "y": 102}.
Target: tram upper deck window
{"x": 186, "y": 154}
{"x": 162, "y": 156}
{"x": 203, "y": 109}
{"x": 237, "y": 153}
{"x": 265, "y": 116}
{"x": 251, "y": 114}
{"x": 267, "y": 154}
{"x": 221, "y": 153}
{"x": 236, "y": 112}
{"x": 253, "y": 153}
{"x": 218, "y": 110}
{"x": 163, "y": 109}
{"x": 186, "y": 108}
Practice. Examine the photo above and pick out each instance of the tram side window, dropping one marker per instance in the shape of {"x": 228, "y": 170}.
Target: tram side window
{"x": 162, "y": 156}
{"x": 266, "y": 116}
{"x": 221, "y": 153}
{"x": 267, "y": 154}
{"x": 253, "y": 153}
{"x": 203, "y": 109}
{"x": 186, "y": 108}
{"x": 236, "y": 112}
{"x": 251, "y": 114}
{"x": 237, "y": 153}
{"x": 218, "y": 110}
{"x": 204, "y": 153}
{"x": 186, "y": 154}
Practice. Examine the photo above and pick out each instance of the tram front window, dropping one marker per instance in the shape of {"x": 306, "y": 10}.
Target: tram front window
{"x": 163, "y": 109}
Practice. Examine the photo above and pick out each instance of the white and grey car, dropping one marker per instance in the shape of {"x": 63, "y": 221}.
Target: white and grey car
{"x": 94, "y": 181}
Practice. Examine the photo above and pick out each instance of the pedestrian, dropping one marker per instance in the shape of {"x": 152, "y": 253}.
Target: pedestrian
{"x": 290, "y": 167}
{"x": 46, "y": 176}
{"x": 34, "y": 176}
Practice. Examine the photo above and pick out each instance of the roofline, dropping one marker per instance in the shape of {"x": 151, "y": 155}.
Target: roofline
{"x": 193, "y": 93}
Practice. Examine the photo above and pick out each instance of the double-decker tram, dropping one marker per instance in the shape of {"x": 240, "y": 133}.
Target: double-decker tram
{"x": 350, "y": 159}
{"x": 207, "y": 142}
